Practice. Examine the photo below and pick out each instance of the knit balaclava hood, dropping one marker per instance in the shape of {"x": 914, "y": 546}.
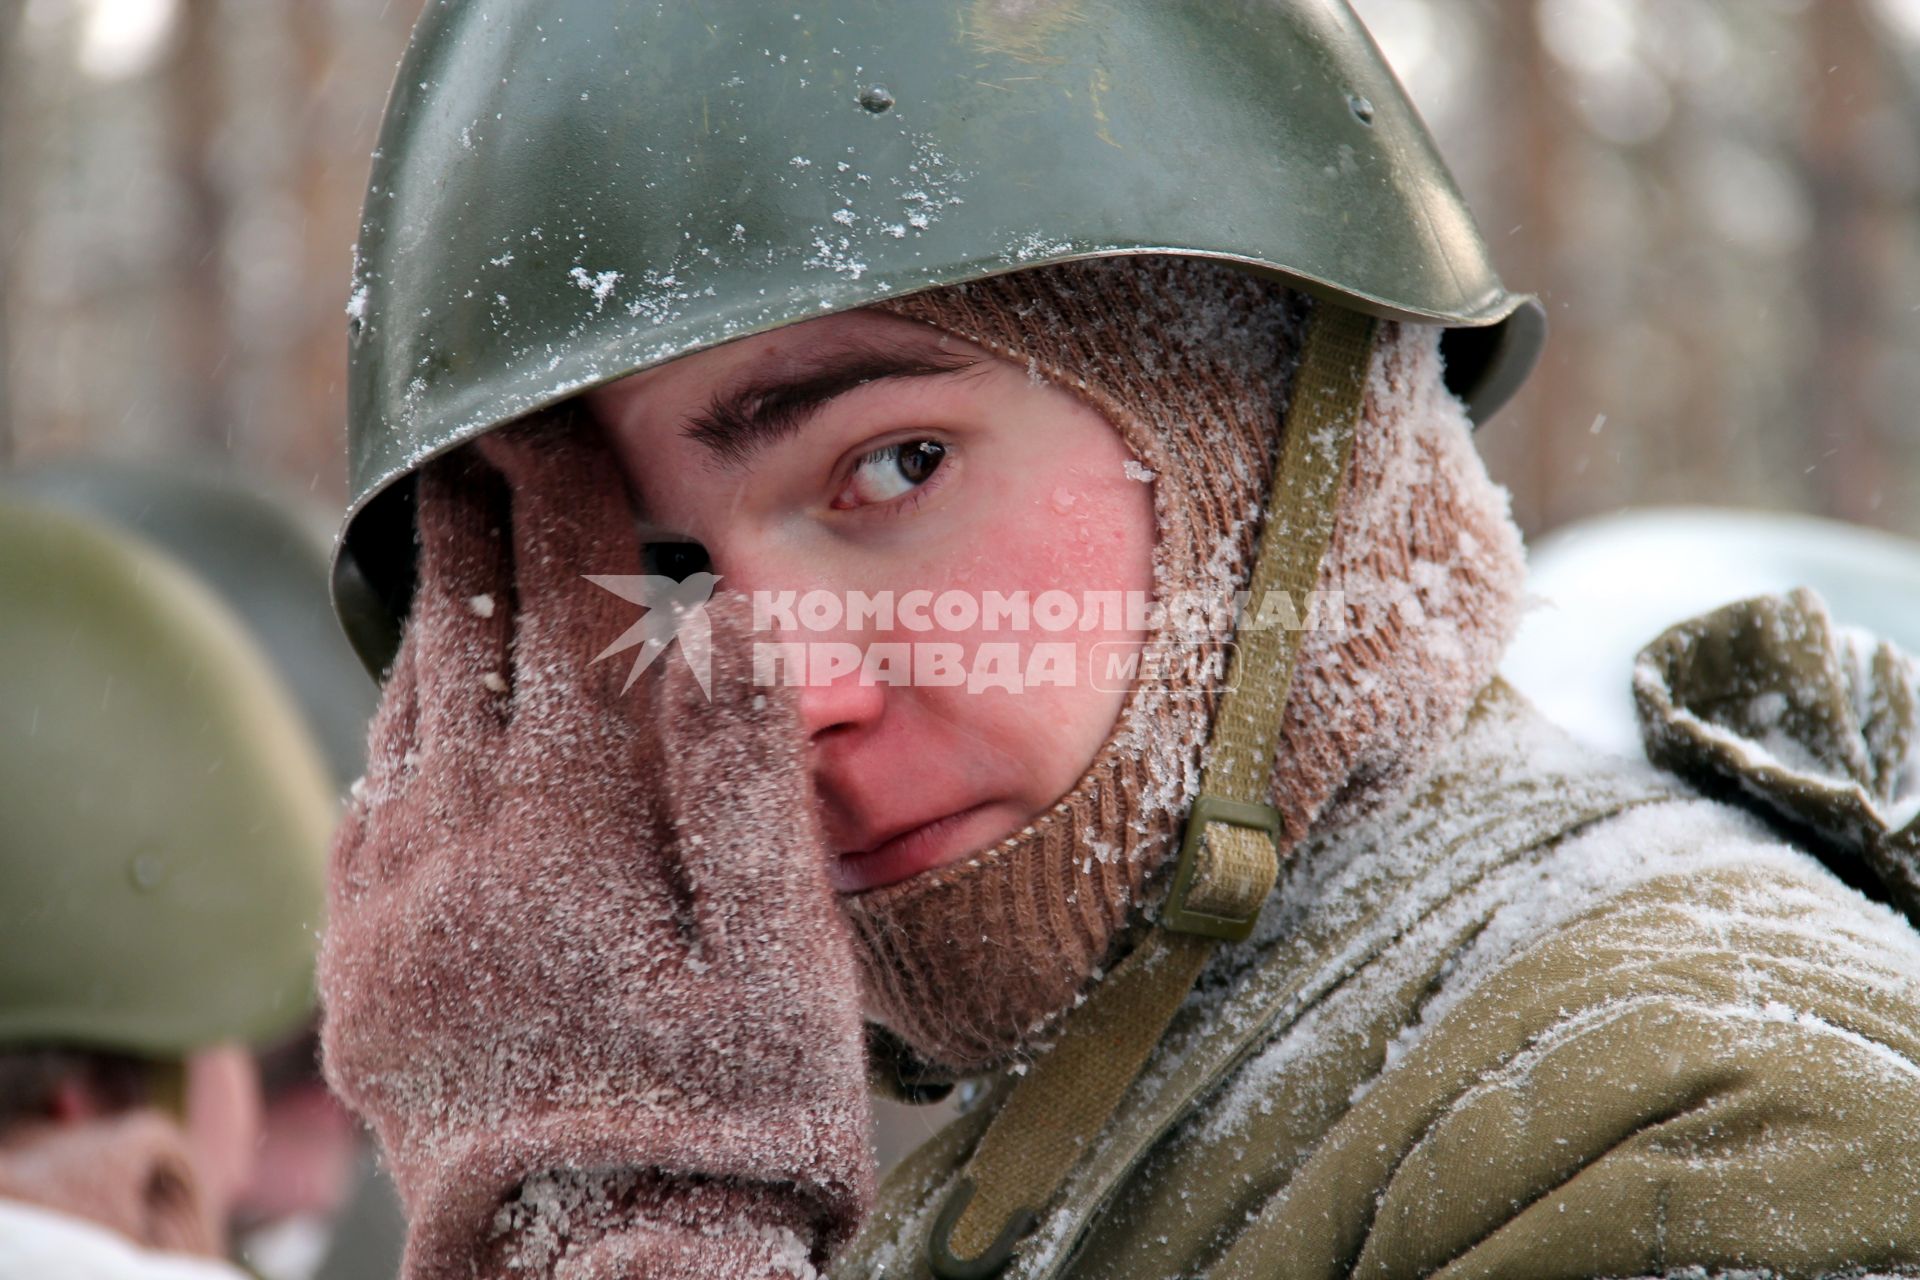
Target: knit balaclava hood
{"x": 970, "y": 964}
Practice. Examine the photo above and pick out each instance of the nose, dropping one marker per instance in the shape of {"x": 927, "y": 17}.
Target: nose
{"x": 839, "y": 707}
{"x": 833, "y": 702}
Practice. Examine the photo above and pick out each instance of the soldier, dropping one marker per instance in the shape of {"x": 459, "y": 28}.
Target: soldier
{"x": 166, "y": 824}
{"x": 1343, "y": 964}
{"x": 266, "y": 554}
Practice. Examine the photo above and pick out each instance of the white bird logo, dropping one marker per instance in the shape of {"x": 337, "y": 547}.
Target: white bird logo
{"x": 674, "y": 608}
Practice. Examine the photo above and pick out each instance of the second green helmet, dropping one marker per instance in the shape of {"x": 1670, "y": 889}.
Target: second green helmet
{"x": 568, "y": 194}
{"x": 166, "y": 814}
{"x": 261, "y": 547}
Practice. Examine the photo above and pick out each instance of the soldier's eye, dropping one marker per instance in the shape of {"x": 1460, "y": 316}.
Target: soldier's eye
{"x": 891, "y": 472}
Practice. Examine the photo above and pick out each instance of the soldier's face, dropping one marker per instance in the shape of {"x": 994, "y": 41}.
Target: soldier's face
{"x": 890, "y": 495}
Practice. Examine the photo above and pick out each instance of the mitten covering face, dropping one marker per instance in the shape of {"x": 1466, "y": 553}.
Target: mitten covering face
{"x": 585, "y": 975}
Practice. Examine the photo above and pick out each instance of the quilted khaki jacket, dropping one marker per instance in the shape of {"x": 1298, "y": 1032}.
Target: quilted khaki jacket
{"x": 1553, "y": 1015}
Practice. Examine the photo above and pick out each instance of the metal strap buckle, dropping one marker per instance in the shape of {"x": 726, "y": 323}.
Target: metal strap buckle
{"x": 1225, "y": 872}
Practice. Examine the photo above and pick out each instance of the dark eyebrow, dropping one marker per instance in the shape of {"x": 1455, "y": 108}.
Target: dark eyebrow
{"x": 769, "y": 406}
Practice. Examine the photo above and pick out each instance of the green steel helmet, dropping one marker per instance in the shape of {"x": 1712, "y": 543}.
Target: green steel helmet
{"x": 264, "y": 550}
{"x": 163, "y": 852}
{"x": 567, "y": 194}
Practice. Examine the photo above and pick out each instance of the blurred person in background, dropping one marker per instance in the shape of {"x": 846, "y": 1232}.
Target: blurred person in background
{"x": 264, "y": 549}
{"x": 166, "y": 816}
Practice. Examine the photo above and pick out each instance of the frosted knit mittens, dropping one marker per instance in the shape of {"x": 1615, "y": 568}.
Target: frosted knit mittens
{"x": 584, "y": 973}
{"x": 1766, "y": 703}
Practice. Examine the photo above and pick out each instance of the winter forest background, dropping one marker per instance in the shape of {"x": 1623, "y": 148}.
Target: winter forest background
{"x": 1719, "y": 200}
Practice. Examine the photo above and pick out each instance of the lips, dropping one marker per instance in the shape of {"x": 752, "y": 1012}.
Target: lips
{"x": 909, "y": 851}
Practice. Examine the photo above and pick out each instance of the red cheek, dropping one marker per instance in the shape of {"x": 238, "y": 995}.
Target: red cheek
{"x": 1085, "y": 549}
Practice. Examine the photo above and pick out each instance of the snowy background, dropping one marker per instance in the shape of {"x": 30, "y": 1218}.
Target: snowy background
{"x": 1716, "y": 198}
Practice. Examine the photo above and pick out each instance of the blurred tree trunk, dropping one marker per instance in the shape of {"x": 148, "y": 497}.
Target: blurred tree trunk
{"x": 198, "y": 109}
{"x": 1533, "y": 137}
{"x": 9, "y": 24}
{"x": 10, "y": 11}
{"x": 1732, "y": 287}
{"x": 1848, "y": 261}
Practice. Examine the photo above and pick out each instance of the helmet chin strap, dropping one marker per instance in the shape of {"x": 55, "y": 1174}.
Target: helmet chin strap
{"x": 1229, "y": 857}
